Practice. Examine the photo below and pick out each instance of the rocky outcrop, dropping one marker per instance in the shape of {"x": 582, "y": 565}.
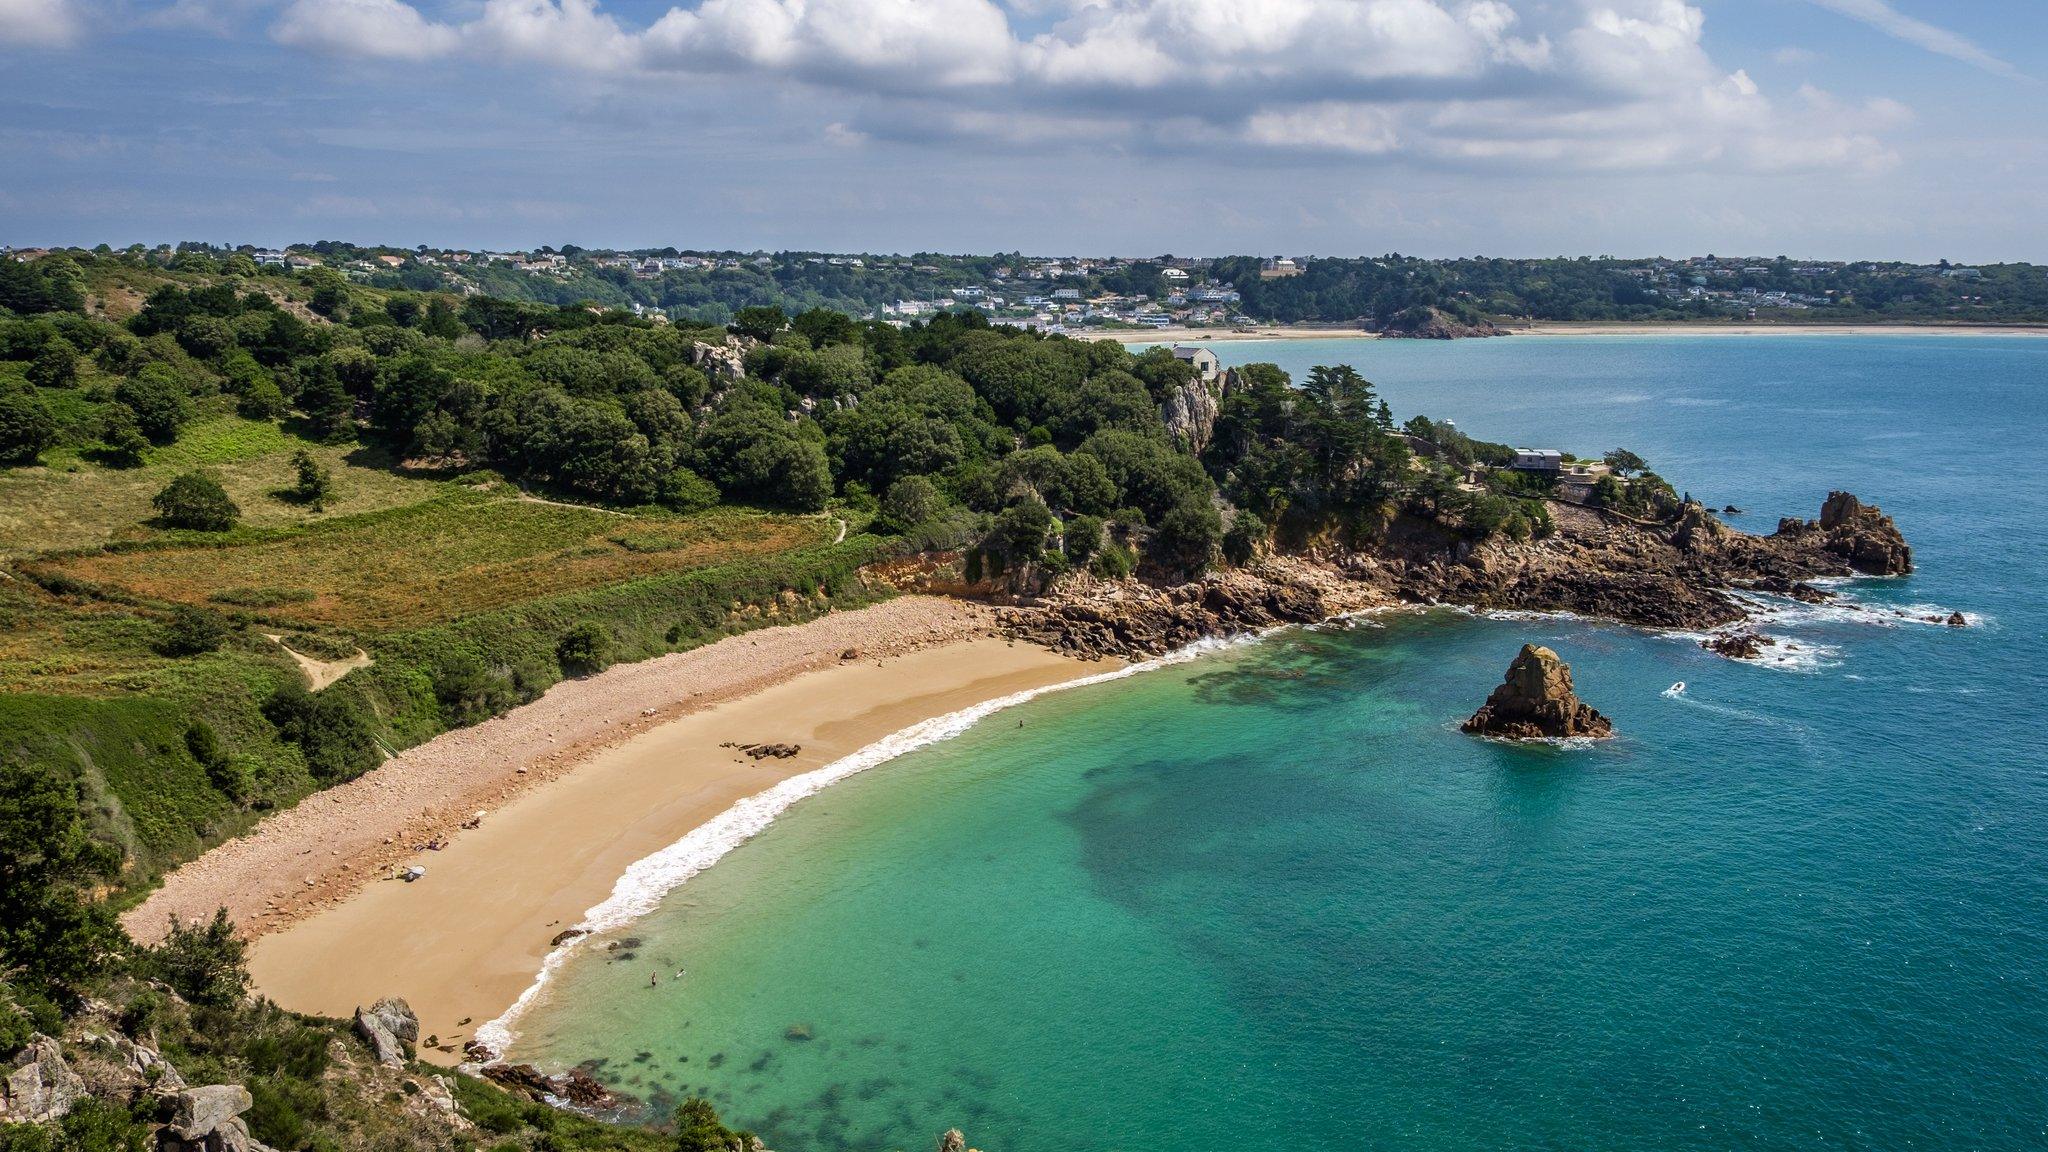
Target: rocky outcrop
{"x": 723, "y": 362}
{"x": 1859, "y": 534}
{"x": 1742, "y": 644}
{"x": 1536, "y": 701}
{"x": 575, "y": 1086}
{"x": 1133, "y": 620}
{"x": 41, "y": 1086}
{"x": 209, "y": 1119}
{"x": 1190, "y": 415}
{"x": 387, "y": 1027}
{"x": 1431, "y": 323}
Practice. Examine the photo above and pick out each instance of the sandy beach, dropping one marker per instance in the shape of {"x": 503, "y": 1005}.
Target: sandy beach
{"x": 463, "y": 942}
{"x": 1562, "y": 328}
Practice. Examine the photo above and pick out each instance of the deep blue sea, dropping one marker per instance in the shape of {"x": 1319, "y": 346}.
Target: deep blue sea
{"x": 1271, "y": 899}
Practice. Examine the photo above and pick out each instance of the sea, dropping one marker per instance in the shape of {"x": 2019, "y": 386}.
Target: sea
{"x": 1266, "y": 896}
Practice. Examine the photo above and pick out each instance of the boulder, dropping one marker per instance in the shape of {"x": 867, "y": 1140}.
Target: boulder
{"x": 202, "y": 1112}
{"x": 1536, "y": 702}
{"x": 1698, "y": 529}
{"x": 1738, "y": 645}
{"x": 387, "y": 1027}
{"x": 952, "y": 1140}
{"x": 41, "y": 1086}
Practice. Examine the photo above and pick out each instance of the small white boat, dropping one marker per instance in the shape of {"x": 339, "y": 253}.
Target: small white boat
{"x": 1676, "y": 689}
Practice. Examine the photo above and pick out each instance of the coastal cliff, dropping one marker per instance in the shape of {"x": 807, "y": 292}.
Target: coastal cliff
{"x": 1677, "y": 574}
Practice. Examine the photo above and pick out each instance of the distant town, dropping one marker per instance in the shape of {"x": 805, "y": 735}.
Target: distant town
{"x": 1071, "y": 294}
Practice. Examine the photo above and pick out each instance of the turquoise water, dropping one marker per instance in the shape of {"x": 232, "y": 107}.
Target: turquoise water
{"x": 1272, "y": 899}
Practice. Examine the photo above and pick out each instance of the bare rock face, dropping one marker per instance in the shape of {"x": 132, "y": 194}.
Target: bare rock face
{"x": 722, "y": 362}
{"x": 1190, "y": 416}
{"x": 387, "y": 1026}
{"x": 1536, "y": 702}
{"x": 1859, "y": 534}
{"x": 41, "y": 1086}
{"x": 1742, "y": 644}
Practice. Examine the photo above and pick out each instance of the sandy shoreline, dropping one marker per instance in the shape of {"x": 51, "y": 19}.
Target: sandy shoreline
{"x": 462, "y": 943}
{"x": 1562, "y": 328}
{"x": 300, "y": 860}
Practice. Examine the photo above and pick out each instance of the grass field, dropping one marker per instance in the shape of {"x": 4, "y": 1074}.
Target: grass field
{"x": 73, "y": 503}
{"x": 456, "y": 555}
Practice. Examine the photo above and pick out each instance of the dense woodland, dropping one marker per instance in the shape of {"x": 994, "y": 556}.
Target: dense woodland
{"x": 1335, "y": 290}
{"x": 1028, "y": 456}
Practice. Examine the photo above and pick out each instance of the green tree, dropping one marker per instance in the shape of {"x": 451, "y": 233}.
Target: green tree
{"x": 315, "y": 483}
{"x": 1246, "y": 536}
{"x": 206, "y": 965}
{"x": 26, "y": 427}
{"x": 584, "y": 648}
{"x": 698, "y": 1129}
{"x": 1021, "y": 529}
{"x": 911, "y": 501}
{"x": 760, "y": 322}
{"x": 53, "y": 934}
{"x": 193, "y": 631}
{"x": 1626, "y": 463}
{"x": 125, "y": 443}
{"x": 1187, "y": 536}
{"x": 195, "y": 500}
{"x": 329, "y": 727}
{"x": 56, "y": 366}
{"x": 157, "y": 397}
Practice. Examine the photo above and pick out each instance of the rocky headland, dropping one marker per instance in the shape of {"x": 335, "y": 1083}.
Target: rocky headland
{"x": 1677, "y": 574}
{"x": 1536, "y": 702}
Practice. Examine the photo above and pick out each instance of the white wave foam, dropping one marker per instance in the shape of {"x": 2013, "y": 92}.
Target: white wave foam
{"x": 648, "y": 880}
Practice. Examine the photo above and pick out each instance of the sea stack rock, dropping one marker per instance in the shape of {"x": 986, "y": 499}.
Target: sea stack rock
{"x": 1536, "y": 702}
{"x": 1858, "y": 533}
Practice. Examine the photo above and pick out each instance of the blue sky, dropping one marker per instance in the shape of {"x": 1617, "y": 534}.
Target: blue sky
{"x": 1907, "y": 129}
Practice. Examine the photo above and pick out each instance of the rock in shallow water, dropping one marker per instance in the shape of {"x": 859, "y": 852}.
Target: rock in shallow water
{"x": 1536, "y": 702}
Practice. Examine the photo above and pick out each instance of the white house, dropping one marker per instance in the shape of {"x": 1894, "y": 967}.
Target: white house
{"x": 1538, "y": 460}
{"x": 1206, "y": 365}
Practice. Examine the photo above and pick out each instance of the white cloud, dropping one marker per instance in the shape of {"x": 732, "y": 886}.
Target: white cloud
{"x": 1606, "y": 85}
{"x": 377, "y": 28}
{"x": 40, "y": 23}
{"x": 1882, "y": 16}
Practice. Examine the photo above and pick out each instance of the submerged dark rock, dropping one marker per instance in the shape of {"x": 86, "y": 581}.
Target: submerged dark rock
{"x": 1536, "y": 702}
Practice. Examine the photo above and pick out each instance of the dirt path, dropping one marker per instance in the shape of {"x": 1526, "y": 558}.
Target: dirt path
{"x": 321, "y": 673}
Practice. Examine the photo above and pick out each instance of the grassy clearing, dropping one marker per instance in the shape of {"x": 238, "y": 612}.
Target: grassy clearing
{"x": 460, "y": 554}
{"x": 74, "y": 503}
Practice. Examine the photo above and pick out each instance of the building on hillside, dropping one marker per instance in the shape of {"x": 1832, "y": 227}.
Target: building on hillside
{"x": 1547, "y": 460}
{"x": 1205, "y": 363}
{"x": 1279, "y": 267}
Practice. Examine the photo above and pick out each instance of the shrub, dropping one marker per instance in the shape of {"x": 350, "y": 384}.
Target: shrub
{"x": 56, "y": 366}
{"x": 684, "y": 491}
{"x": 206, "y": 965}
{"x": 584, "y": 648}
{"x": 158, "y": 400}
{"x": 1188, "y": 535}
{"x": 329, "y": 728}
{"x": 911, "y": 501}
{"x": 315, "y": 484}
{"x": 122, "y": 436}
{"x": 26, "y": 427}
{"x": 1246, "y": 534}
{"x": 698, "y": 1129}
{"x": 196, "y": 500}
{"x": 261, "y": 400}
{"x": 1082, "y": 539}
{"x": 193, "y": 631}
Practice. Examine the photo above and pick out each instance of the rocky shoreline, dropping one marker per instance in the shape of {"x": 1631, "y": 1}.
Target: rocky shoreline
{"x": 1674, "y": 575}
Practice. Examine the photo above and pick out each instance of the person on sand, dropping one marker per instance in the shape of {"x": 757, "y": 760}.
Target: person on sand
{"x": 654, "y": 980}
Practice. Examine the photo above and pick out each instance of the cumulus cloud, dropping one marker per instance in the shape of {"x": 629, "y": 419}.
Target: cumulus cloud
{"x": 40, "y": 23}
{"x": 389, "y": 29}
{"x": 1604, "y": 84}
